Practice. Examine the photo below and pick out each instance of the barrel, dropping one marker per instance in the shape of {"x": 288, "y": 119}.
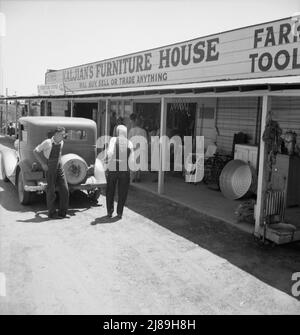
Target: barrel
{"x": 237, "y": 179}
{"x": 75, "y": 168}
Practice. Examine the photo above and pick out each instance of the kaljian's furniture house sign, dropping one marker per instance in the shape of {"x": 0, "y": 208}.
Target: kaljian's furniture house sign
{"x": 266, "y": 50}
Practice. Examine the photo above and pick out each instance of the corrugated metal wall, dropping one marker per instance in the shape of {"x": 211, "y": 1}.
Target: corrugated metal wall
{"x": 235, "y": 115}
{"x": 286, "y": 111}
{"x": 205, "y": 123}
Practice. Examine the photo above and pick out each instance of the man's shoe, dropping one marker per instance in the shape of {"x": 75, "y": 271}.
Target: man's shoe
{"x": 109, "y": 215}
{"x": 52, "y": 215}
{"x": 61, "y": 215}
{"x": 119, "y": 216}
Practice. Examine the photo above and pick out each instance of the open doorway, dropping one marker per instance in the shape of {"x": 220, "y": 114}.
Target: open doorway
{"x": 86, "y": 110}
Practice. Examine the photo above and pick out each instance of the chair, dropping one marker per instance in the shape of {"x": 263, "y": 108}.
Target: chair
{"x": 194, "y": 171}
{"x": 195, "y": 164}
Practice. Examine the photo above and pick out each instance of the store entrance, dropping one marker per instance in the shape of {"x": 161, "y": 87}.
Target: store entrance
{"x": 181, "y": 119}
{"x": 149, "y": 115}
{"x": 86, "y": 110}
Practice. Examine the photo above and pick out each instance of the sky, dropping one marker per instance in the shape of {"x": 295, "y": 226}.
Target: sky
{"x": 40, "y": 35}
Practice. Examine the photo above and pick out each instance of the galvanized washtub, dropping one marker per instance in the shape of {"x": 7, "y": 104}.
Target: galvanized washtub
{"x": 237, "y": 179}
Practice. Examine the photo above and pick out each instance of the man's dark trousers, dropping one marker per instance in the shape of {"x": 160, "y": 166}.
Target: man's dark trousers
{"x": 123, "y": 180}
{"x": 56, "y": 177}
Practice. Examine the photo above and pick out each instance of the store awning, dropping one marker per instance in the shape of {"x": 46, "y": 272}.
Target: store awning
{"x": 273, "y": 83}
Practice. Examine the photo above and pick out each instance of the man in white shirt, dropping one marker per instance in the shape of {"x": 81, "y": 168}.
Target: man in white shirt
{"x": 119, "y": 156}
{"x": 48, "y": 153}
{"x": 137, "y": 130}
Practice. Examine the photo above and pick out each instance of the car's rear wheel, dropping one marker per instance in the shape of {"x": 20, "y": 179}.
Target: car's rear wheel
{"x": 24, "y": 196}
{"x": 3, "y": 173}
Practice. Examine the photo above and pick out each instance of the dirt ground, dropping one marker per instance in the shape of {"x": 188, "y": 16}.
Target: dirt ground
{"x": 158, "y": 259}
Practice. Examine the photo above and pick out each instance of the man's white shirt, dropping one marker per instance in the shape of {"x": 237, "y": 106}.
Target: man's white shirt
{"x": 46, "y": 147}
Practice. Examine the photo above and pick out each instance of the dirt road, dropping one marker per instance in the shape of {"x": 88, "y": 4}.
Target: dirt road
{"x": 159, "y": 259}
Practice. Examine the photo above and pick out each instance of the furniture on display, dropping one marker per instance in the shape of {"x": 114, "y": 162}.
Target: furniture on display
{"x": 246, "y": 153}
{"x": 286, "y": 177}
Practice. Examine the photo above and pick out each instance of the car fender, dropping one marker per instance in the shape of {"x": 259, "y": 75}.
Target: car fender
{"x": 99, "y": 171}
{"x": 23, "y": 167}
{"x": 10, "y": 162}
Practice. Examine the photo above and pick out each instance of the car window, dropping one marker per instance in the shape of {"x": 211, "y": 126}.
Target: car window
{"x": 76, "y": 135}
{"x": 72, "y": 134}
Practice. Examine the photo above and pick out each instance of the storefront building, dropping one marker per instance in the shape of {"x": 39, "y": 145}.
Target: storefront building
{"x": 215, "y": 86}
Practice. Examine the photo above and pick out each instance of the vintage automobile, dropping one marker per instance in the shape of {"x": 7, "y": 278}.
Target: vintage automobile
{"x": 84, "y": 171}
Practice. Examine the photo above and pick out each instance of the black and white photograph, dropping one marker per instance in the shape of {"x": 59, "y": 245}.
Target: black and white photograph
{"x": 149, "y": 160}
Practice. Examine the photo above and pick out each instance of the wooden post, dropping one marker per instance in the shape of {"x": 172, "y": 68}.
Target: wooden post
{"x": 107, "y": 117}
{"x": 261, "y": 182}
{"x": 131, "y": 106}
{"x": 16, "y": 102}
{"x": 123, "y": 108}
{"x": 45, "y": 108}
{"x": 72, "y": 108}
{"x": 98, "y": 118}
{"x": 6, "y": 112}
{"x": 163, "y": 124}
{"x": 1, "y": 120}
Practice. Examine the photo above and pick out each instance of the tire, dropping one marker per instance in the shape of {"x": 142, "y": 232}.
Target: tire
{"x": 3, "y": 173}
{"x": 24, "y": 196}
{"x": 75, "y": 168}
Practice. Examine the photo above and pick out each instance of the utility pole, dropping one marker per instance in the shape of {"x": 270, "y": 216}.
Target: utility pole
{"x": 1, "y": 116}
{"x": 6, "y": 111}
{"x": 16, "y": 127}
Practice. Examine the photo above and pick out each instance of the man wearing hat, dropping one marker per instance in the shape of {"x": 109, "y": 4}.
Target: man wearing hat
{"x": 48, "y": 153}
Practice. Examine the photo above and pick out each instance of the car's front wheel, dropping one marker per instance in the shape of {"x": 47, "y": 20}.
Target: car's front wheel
{"x": 24, "y": 196}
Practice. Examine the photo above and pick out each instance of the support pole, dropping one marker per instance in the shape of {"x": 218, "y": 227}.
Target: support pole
{"x": 46, "y": 107}
{"x": 16, "y": 129}
{"x": 123, "y": 108}
{"x": 106, "y": 117}
{"x": 1, "y": 119}
{"x": 72, "y": 108}
{"x": 163, "y": 123}
{"x": 98, "y": 118}
{"x": 6, "y": 112}
{"x": 261, "y": 182}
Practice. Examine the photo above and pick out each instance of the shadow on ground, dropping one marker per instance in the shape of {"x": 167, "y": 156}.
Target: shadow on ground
{"x": 79, "y": 202}
{"x": 104, "y": 220}
{"x": 271, "y": 264}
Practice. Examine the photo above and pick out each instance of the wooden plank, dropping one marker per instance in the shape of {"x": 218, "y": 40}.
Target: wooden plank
{"x": 107, "y": 117}
{"x": 72, "y": 108}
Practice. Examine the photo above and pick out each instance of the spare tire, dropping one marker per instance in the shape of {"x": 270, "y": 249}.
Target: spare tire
{"x": 75, "y": 168}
